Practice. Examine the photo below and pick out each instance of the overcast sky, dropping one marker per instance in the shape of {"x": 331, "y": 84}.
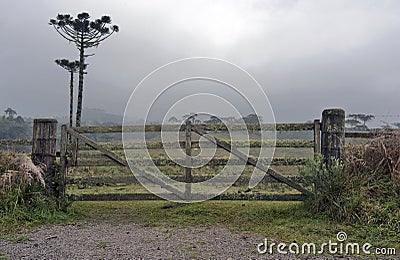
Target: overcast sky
{"x": 306, "y": 55}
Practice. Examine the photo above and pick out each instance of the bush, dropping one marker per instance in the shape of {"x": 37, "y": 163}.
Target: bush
{"x": 23, "y": 198}
{"x": 329, "y": 186}
{"x": 365, "y": 188}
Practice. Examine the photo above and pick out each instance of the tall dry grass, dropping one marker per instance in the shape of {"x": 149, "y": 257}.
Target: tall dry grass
{"x": 365, "y": 188}
{"x": 23, "y": 197}
{"x": 18, "y": 169}
{"x": 376, "y": 165}
{"x": 22, "y": 184}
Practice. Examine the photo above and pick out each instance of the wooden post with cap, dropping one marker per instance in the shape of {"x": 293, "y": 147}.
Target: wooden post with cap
{"x": 44, "y": 149}
{"x": 332, "y": 134}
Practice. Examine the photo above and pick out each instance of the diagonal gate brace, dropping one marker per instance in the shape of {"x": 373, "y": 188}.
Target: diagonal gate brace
{"x": 251, "y": 161}
{"x": 123, "y": 162}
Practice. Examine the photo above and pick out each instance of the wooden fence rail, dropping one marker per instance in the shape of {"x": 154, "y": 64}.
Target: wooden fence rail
{"x": 102, "y": 160}
{"x": 280, "y": 127}
{"x": 13, "y": 142}
{"x": 131, "y": 179}
{"x": 118, "y": 146}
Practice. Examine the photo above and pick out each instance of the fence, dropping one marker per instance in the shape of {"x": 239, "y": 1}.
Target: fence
{"x": 328, "y": 139}
{"x": 21, "y": 145}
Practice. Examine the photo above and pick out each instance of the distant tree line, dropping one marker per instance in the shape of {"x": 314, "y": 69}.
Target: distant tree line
{"x": 13, "y": 126}
{"x": 359, "y": 122}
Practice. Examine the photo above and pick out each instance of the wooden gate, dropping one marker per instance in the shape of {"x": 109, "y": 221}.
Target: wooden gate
{"x": 332, "y": 127}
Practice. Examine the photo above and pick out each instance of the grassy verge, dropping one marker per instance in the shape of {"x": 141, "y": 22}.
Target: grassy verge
{"x": 24, "y": 199}
{"x": 3, "y": 256}
{"x": 284, "y": 221}
{"x": 24, "y": 218}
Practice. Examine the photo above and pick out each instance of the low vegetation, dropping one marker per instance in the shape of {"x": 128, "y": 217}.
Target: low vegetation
{"x": 23, "y": 199}
{"x": 364, "y": 189}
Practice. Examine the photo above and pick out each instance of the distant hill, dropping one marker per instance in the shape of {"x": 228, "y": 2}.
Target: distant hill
{"x": 96, "y": 116}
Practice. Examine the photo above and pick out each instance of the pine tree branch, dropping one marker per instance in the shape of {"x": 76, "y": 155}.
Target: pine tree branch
{"x": 102, "y": 39}
{"x": 60, "y": 33}
{"x": 70, "y": 31}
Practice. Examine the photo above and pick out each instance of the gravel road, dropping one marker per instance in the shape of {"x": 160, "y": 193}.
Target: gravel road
{"x": 102, "y": 240}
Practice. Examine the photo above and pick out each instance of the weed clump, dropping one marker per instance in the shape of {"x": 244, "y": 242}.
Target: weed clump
{"x": 364, "y": 188}
{"x": 23, "y": 198}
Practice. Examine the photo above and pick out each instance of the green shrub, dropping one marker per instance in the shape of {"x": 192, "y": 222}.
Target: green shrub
{"x": 364, "y": 188}
{"x": 329, "y": 186}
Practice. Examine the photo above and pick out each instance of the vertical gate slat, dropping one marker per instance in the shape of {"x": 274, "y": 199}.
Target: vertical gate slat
{"x": 63, "y": 160}
{"x": 188, "y": 168}
{"x": 317, "y": 136}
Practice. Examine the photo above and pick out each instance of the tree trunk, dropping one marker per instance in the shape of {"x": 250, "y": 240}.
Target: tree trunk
{"x": 80, "y": 87}
{"x": 71, "y": 98}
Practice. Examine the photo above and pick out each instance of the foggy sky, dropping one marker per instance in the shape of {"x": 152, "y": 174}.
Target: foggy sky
{"x": 306, "y": 55}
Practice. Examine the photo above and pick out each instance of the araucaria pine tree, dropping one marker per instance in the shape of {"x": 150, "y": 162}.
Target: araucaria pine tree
{"x": 72, "y": 67}
{"x": 85, "y": 34}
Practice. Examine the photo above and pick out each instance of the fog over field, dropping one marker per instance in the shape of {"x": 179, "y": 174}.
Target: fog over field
{"x": 306, "y": 55}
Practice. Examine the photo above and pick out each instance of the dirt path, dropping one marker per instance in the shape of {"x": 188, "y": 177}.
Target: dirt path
{"x": 130, "y": 241}
{"x": 102, "y": 240}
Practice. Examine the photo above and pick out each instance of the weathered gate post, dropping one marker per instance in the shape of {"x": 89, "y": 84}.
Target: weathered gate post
{"x": 188, "y": 161}
{"x": 332, "y": 130}
{"x": 44, "y": 149}
{"x": 317, "y": 136}
{"x": 63, "y": 161}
